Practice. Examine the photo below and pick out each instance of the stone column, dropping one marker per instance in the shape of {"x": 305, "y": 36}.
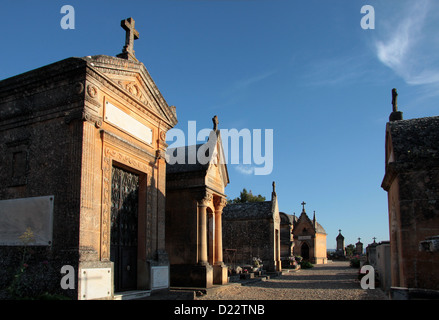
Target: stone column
{"x": 202, "y": 229}
{"x": 219, "y": 205}
{"x": 220, "y": 275}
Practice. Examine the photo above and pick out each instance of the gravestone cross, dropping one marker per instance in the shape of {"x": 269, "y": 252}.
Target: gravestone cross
{"x": 131, "y": 35}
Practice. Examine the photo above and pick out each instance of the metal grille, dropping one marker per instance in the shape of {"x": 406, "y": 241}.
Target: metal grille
{"x": 124, "y": 221}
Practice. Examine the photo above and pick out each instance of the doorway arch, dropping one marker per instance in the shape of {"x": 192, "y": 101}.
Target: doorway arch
{"x": 304, "y": 251}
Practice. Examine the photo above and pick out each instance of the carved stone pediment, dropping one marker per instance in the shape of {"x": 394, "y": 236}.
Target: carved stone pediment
{"x": 134, "y": 81}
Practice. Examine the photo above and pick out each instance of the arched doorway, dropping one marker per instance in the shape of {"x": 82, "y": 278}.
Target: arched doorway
{"x": 304, "y": 251}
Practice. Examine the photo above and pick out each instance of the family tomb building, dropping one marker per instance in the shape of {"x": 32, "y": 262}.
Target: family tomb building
{"x": 196, "y": 178}
{"x": 286, "y": 238}
{"x": 252, "y": 230}
{"x": 411, "y": 181}
{"x": 82, "y": 151}
{"x": 309, "y": 238}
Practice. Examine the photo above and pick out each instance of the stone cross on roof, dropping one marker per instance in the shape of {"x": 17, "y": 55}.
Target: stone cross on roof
{"x": 303, "y": 204}
{"x": 131, "y": 35}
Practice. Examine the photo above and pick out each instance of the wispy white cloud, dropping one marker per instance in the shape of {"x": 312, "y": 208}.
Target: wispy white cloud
{"x": 244, "y": 83}
{"x": 337, "y": 70}
{"x": 407, "y": 46}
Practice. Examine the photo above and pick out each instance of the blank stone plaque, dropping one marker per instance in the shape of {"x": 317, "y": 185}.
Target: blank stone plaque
{"x": 160, "y": 277}
{"x": 17, "y": 215}
{"x": 95, "y": 283}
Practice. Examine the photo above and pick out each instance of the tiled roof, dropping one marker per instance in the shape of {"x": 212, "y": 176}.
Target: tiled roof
{"x": 415, "y": 139}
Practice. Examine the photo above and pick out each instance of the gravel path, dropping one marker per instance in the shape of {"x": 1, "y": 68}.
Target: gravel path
{"x": 332, "y": 281}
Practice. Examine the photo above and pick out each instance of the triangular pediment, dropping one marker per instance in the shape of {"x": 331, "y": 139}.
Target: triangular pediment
{"x": 217, "y": 175}
{"x": 134, "y": 80}
{"x": 304, "y": 225}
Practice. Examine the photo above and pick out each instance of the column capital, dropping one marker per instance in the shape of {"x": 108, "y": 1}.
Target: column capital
{"x": 205, "y": 198}
{"x": 220, "y": 203}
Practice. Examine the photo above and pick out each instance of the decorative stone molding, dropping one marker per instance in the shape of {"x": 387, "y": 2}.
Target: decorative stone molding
{"x": 92, "y": 91}
{"x": 79, "y": 87}
{"x": 110, "y": 155}
{"x": 220, "y": 203}
{"x": 84, "y": 116}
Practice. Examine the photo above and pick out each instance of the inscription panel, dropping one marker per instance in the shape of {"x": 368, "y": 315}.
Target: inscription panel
{"x": 127, "y": 123}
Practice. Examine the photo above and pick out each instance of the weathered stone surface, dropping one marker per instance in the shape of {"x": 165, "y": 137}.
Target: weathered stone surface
{"x": 54, "y": 140}
{"x": 411, "y": 180}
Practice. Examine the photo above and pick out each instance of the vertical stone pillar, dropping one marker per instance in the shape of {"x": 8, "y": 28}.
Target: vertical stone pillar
{"x": 202, "y": 229}
{"x": 219, "y": 205}
{"x": 220, "y": 275}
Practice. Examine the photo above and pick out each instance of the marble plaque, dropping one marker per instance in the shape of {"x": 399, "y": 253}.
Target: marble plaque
{"x": 160, "y": 277}
{"x": 127, "y": 123}
{"x": 95, "y": 283}
{"x": 19, "y": 215}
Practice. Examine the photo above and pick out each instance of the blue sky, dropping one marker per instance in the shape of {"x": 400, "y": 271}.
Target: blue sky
{"x": 305, "y": 69}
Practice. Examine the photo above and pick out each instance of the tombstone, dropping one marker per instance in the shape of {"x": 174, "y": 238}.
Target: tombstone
{"x": 82, "y": 145}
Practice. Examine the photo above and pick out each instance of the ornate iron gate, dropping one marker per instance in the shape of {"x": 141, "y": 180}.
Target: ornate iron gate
{"x": 124, "y": 221}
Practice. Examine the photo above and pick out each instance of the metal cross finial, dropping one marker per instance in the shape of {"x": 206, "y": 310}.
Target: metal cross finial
{"x": 131, "y": 35}
{"x": 374, "y": 239}
{"x": 303, "y": 204}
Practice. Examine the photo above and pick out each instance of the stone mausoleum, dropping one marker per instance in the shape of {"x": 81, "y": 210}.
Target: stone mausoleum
{"x": 195, "y": 198}
{"x": 82, "y": 153}
{"x": 309, "y": 238}
{"x": 411, "y": 181}
{"x": 252, "y": 230}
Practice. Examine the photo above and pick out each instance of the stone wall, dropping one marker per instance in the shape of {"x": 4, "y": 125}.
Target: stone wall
{"x": 250, "y": 238}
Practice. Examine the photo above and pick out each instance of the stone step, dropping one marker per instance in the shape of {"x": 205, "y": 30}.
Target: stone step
{"x": 132, "y": 295}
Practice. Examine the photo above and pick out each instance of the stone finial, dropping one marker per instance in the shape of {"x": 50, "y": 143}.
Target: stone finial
{"x": 394, "y": 100}
{"x": 395, "y": 115}
{"x": 131, "y": 35}
{"x": 274, "y": 186}
{"x": 215, "y": 123}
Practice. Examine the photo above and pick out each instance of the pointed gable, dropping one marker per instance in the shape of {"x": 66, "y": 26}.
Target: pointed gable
{"x": 200, "y": 164}
{"x": 133, "y": 79}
